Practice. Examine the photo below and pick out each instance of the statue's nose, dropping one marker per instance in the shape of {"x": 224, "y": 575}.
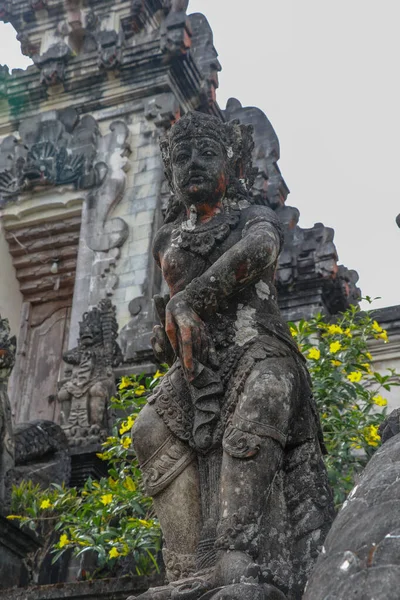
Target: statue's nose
{"x": 195, "y": 158}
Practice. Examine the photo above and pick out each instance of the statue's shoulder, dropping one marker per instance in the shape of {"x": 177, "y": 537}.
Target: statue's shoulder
{"x": 162, "y": 239}
{"x": 254, "y": 214}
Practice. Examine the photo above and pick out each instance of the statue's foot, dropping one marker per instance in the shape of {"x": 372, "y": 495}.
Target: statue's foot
{"x": 158, "y": 593}
{"x": 245, "y": 591}
{"x": 186, "y": 589}
{"x": 236, "y": 567}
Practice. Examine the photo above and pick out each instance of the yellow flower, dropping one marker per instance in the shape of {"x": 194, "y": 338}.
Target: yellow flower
{"x": 129, "y": 484}
{"x": 45, "y": 503}
{"x": 348, "y": 333}
{"x": 379, "y": 400}
{"x": 64, "y": 541}
{"x": 335, "y": 347}
{"x": 125, "y": 383}
{"x": 355, "y": 443}
{"x": 158, "y": 375}
{"x": 354, "y": 376}
{"x": 383, "y": 336}
{"x": 376, "y": 327}
{"x": 314, "y": 354}
{"x": 372, "y": 436}
{"x": 146, "y": 524}
{"x": 126, "y": 425}
{"x": 113, "y": 553}
{"x": 324, "y": 415}
{"x": 140, "y": 390}
{"x": 294, "y": 332}
{"x": 12, "y": 517}
{"x": 126, "y": 442}
{"x": 368, "y": 355}
{"x": 125, "y": 550}
{"x": 367, "y": 366}
{"x": 336, "y": 363}
{"x": 332, "y": 329}
{"x": 106, "y": 499}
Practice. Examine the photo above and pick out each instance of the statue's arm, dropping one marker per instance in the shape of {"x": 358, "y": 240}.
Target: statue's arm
{"x": 243, "y": 263}
{"x": 72, "y": 357}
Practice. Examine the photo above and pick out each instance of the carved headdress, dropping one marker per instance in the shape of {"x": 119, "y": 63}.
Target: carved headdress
{"x": 235, "y": 138}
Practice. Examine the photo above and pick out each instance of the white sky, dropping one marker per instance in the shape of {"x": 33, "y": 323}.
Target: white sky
{"x": 326, "y": 73}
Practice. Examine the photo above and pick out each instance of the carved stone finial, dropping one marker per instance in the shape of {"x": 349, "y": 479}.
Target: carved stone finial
{"x": 90, "y": 382}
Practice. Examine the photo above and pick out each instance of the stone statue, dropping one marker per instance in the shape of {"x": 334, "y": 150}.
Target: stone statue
{"x": 7, "y": 446}
{"x": 230, "y": 443}
{"x": 361, "y": 557}
{"x": 91, "y": 382}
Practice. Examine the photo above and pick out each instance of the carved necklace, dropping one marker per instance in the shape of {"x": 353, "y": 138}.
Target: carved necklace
{"x": 202, "y": 238}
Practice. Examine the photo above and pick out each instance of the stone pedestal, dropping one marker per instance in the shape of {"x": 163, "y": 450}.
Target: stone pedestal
{"x": 105, "y": 589}
{"x": 15, "y": 544}
{"x": 85, "y": 463}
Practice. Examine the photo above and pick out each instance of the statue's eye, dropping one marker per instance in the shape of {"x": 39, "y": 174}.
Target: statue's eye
{"x": 181, "y": 157}
{"x": 208, "y": 153}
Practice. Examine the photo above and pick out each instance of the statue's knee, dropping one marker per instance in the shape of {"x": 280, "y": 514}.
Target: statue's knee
{"x": 148, "y": 433}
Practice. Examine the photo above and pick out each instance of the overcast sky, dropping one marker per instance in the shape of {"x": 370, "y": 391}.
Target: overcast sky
{"x": 326, "y": 73}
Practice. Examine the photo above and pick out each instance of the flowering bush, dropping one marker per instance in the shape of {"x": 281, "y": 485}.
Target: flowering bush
{"x": 348, "y": 392}
{"x": 114, "y": 518}
{"x": 111, "y": 517}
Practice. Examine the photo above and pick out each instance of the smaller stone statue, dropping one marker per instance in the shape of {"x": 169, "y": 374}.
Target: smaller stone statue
{"x": 7, "y": 451}
{"x": 90, "y": 383}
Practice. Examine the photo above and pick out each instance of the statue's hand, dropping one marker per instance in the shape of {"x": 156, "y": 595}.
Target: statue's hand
{"x": 162, "y": 348}
{"x": 188, "y": 335}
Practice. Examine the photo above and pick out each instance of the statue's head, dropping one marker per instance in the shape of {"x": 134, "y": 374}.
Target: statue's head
{"x": 99, "y": 327}
{"x": 90, "y": 330}
{"x": 206, "y": 160}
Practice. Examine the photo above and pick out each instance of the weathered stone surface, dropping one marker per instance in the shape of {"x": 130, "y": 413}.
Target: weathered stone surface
{"x": 229, "y": 444}
{"x": 361, "y": 556}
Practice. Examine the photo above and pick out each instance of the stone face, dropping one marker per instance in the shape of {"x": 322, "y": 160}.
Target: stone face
{"x": 229, "y": 443}
{"x": 361, "y": 556}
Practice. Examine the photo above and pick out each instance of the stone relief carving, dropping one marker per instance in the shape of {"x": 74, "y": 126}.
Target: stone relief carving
{"x": 8, "y": 347}
{"x": 35, "y": 451}
{"x": 106, "y": 235}
{"x": 234, "y": 460}
{"x": 53, "y": 149}
{"x": 90, "y": 381}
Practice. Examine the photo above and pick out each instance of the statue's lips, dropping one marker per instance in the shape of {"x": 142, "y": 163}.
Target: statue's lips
{"x": 196, "y": 179}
